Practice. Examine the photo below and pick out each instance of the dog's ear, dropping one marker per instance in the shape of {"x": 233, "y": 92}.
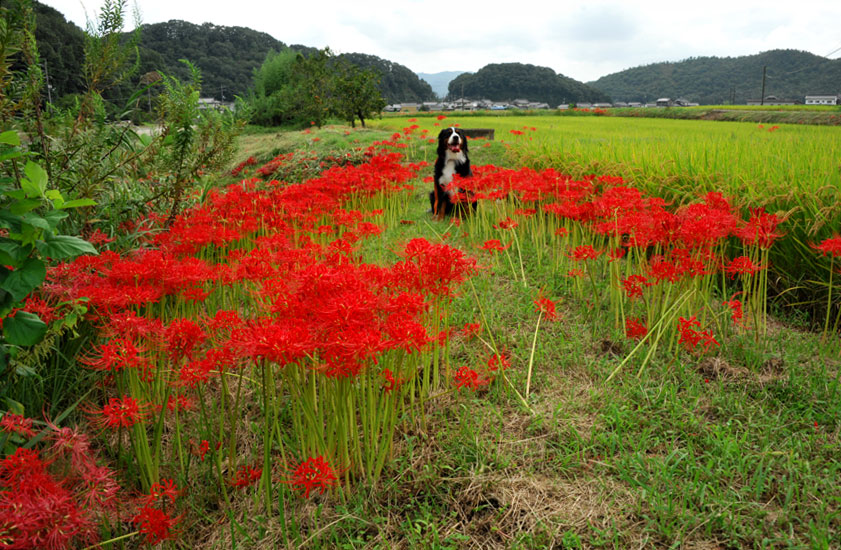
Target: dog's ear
{"x": 443, "y": 135}
{"x": 463, "y": 140}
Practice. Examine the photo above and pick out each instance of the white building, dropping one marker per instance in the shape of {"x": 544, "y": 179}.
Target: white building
{"x": 821, "y": 100}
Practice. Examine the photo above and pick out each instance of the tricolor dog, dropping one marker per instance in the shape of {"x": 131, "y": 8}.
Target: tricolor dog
{"x": 452, "y": 159}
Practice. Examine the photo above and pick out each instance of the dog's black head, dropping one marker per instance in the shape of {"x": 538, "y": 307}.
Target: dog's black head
{"x": 452, "y": 139}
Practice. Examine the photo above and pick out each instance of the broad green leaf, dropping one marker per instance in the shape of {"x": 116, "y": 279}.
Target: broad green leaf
{"x": 10, "y": 137}
{"x": 20, "y": 282}
{"x": 20, "y": 208}
{"x": 24, "y": 329}
{"x": 30, "y": 188}
{"x": 62, "y": 247}
{"x": 36, "y": 175}
{"x": 75, "y": 203}
{"x": 36, "y": 221}
{"x": 13, "y": 250}
{"x": 10, "y": 154}
{"x": 55, "y": 216}
{"x": 17, "y": 194}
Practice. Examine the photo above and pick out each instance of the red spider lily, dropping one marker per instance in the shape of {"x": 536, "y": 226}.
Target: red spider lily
{"x": 616, "y": 254}
{"x": 204, "y": 447}
{"x": 15, "y": 423}
{"x": 561, "y": 232}
{"x": 161, "y": 493}
{"x": 830, "y": 246}
{"x": 466, "y": 377}
{"x": 37, "y": 510}
{"x": 691, "y": 338}
{"x": 585, "y": 252}
{"x": 742, "y": 265}
{"x": 498, "y": 361}
{"x": 391, "y": 383}
{"x": 760, "y": 230}
{"x": 313, "y": 473}
{"x": 441, "y": 117}
{"x": 494, "y": 245}
{"x": 736, "y": 313}
{"x": 527, "y": 212}
{"x": 507, "y": 223}
{"x": 121, "y": 412}
{"x": 546, "y": 307}
{"x": 182, "y": 336}
{"x": 471, "y": 330}
{"x": 661, "y": 269}
{"x": 516, "y": 132}
{"x": 156, "y": 525}
{"x": 246, "y": 475}
{"x": 634, "y": 284}
{"x": 180, "y": 402}
{"x": 575, "y": 273}
{"x": 116, "y": 355}
{"x": 635, "y": 329}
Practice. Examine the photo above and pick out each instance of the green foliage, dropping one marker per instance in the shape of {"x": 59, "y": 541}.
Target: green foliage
{"x": 193, "y": 140}
{"x": 297, "y": 89}
{"x": 507, "y": 81}
{"x": 30, "y": 214}
{"x": 722, "y": 80}
{"x": 356, "y": 93}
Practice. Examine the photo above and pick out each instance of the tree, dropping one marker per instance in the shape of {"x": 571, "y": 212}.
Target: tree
{"x": 357, "y": 93}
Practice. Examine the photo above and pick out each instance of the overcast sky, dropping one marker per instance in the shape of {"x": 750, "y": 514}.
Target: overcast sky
{"x": 585, "y": 42}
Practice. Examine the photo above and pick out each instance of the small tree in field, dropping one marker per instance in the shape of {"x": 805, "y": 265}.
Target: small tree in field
{"x": 356, "y": 92}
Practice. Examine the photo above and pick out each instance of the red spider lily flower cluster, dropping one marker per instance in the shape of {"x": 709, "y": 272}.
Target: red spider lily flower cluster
{"x": 545, "y": 307}
{"x": 55, "y": 499}
{"x": 494, "y": 245}
{"x": 465, "y": 377}
{"x": 313, "y": 473}
{"x": 246, "y": 475}
{"x": 691, "y": 338}
{"x": 16, "y": 423}
{"x": 830, "y": 246}
{"x": 121, "y": 412}
{"x": 152, "y": 520}
{"x": 635, "y": 329}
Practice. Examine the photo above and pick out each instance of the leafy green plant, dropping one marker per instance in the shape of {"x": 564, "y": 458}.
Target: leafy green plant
{"x": 30, "y": 214}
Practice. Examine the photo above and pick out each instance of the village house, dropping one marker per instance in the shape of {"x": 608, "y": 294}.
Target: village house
{"x": 822, "y": 100}
{"x": 773, "y": 100}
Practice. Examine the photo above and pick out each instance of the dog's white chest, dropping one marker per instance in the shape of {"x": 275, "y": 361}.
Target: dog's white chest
{"x": 450, "y": 161}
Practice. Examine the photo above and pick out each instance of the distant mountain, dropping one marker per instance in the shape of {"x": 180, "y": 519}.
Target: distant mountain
{"x": 718, "y": 80}
{"x": 507, "y": 81}
{"x": 440, "y": 81}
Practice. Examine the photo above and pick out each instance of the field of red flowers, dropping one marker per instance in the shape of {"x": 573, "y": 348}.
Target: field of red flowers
{"x": 280, "y": 341}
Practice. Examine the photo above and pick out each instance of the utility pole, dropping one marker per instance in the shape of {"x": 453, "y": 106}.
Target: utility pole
{"x": 762, "y": 99}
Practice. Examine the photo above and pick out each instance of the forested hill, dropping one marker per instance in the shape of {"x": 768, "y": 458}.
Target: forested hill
{"x": 718, "y": 80}
{"x": 507, "y": 81}
{"x": 398, "y": 83}
{"x": 226, "y": 56}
